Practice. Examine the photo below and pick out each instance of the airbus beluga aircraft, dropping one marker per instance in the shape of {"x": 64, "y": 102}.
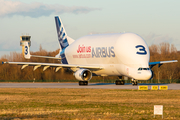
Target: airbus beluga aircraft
{"x": 117, "y": 54}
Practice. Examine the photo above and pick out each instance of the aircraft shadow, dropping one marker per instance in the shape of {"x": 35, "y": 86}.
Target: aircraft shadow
{"x": 93, "y": 84}
{"x": 152, "y": 83}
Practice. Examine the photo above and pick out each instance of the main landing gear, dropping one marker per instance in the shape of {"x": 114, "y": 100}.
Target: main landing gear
{"x": 83, "y": 83}
{"x": 134, "y": 82}
{"x": 120, "y": 81}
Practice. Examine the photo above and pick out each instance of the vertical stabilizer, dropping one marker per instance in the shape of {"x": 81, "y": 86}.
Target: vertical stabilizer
{"x": 62, "y": 36}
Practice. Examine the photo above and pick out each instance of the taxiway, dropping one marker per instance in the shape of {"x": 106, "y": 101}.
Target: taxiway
{"x": 75, "y": 85}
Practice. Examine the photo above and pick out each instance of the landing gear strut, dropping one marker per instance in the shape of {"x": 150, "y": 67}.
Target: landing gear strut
{"x": 134, "y": 82}
{"x": 83, "y": 83}
{"x": 120, "y": 81}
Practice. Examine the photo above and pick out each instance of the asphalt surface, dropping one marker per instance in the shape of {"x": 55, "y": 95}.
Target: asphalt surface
{"x": 91, "y": 85}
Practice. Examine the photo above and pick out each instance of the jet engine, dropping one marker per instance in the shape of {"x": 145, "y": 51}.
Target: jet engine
{"x": 83, "y": 74}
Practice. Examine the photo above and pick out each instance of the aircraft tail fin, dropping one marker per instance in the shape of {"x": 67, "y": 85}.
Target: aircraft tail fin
{"x": 62, "y": 36}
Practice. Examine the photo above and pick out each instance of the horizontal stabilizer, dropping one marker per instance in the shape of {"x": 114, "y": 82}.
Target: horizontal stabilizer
{"x": 152, "y": 64}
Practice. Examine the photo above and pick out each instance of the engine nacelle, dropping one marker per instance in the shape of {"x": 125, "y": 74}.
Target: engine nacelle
{"x": 83, "y": 74}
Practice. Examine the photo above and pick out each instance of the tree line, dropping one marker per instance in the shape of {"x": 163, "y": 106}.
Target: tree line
{"x": 164, "y": 52}
{"x": 161, "y": 52}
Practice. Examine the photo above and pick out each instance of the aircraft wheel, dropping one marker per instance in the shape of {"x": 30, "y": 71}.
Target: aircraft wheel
{"x": 80, "y": 82}
{"x": 134, "y": 82}
{"x": 122, "y": 82}
{"x": 118, "y": 82}
{"x": 85, "y": 82}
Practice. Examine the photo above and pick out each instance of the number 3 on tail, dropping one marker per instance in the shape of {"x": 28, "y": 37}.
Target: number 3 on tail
{"x": 141, "y": 50}
{"x": 26, "y": 50}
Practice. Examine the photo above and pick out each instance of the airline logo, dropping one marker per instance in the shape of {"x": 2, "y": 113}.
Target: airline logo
{"x": 94, "y": 52}
{"x": 103, "y": 52}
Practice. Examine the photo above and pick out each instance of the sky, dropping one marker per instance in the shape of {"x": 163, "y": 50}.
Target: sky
{"x": 156, "y": 21}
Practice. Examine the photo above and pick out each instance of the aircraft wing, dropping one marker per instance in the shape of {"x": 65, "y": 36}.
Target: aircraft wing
{"x": 58, "y": 66}
{"x": 152, "y": 64}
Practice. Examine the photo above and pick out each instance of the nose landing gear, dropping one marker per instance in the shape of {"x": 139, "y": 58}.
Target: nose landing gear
{"x": 134, "y": 82}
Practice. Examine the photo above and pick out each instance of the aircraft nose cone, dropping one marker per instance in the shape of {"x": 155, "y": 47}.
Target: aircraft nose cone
{"x": 148, "y": 74}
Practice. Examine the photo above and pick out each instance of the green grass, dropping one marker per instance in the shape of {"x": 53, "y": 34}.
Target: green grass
{"x": 42, "y": 103}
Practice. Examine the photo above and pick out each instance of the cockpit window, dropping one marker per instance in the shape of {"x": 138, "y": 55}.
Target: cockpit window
{"x": 143, "y": 68}
{"x": 140, "y": 69}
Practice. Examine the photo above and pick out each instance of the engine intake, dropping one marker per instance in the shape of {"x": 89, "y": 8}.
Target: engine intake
{"x": 83, "y": 74}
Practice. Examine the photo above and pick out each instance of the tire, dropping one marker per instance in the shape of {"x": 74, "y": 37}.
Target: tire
{"x": 118, "y": 82}
{"x": 122, "y": 82}
{"x": 80, "y": 83}
{"x": 83, "y": 83}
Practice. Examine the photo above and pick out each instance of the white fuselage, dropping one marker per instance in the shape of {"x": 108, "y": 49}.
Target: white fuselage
{"x": 119, "y": 54}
